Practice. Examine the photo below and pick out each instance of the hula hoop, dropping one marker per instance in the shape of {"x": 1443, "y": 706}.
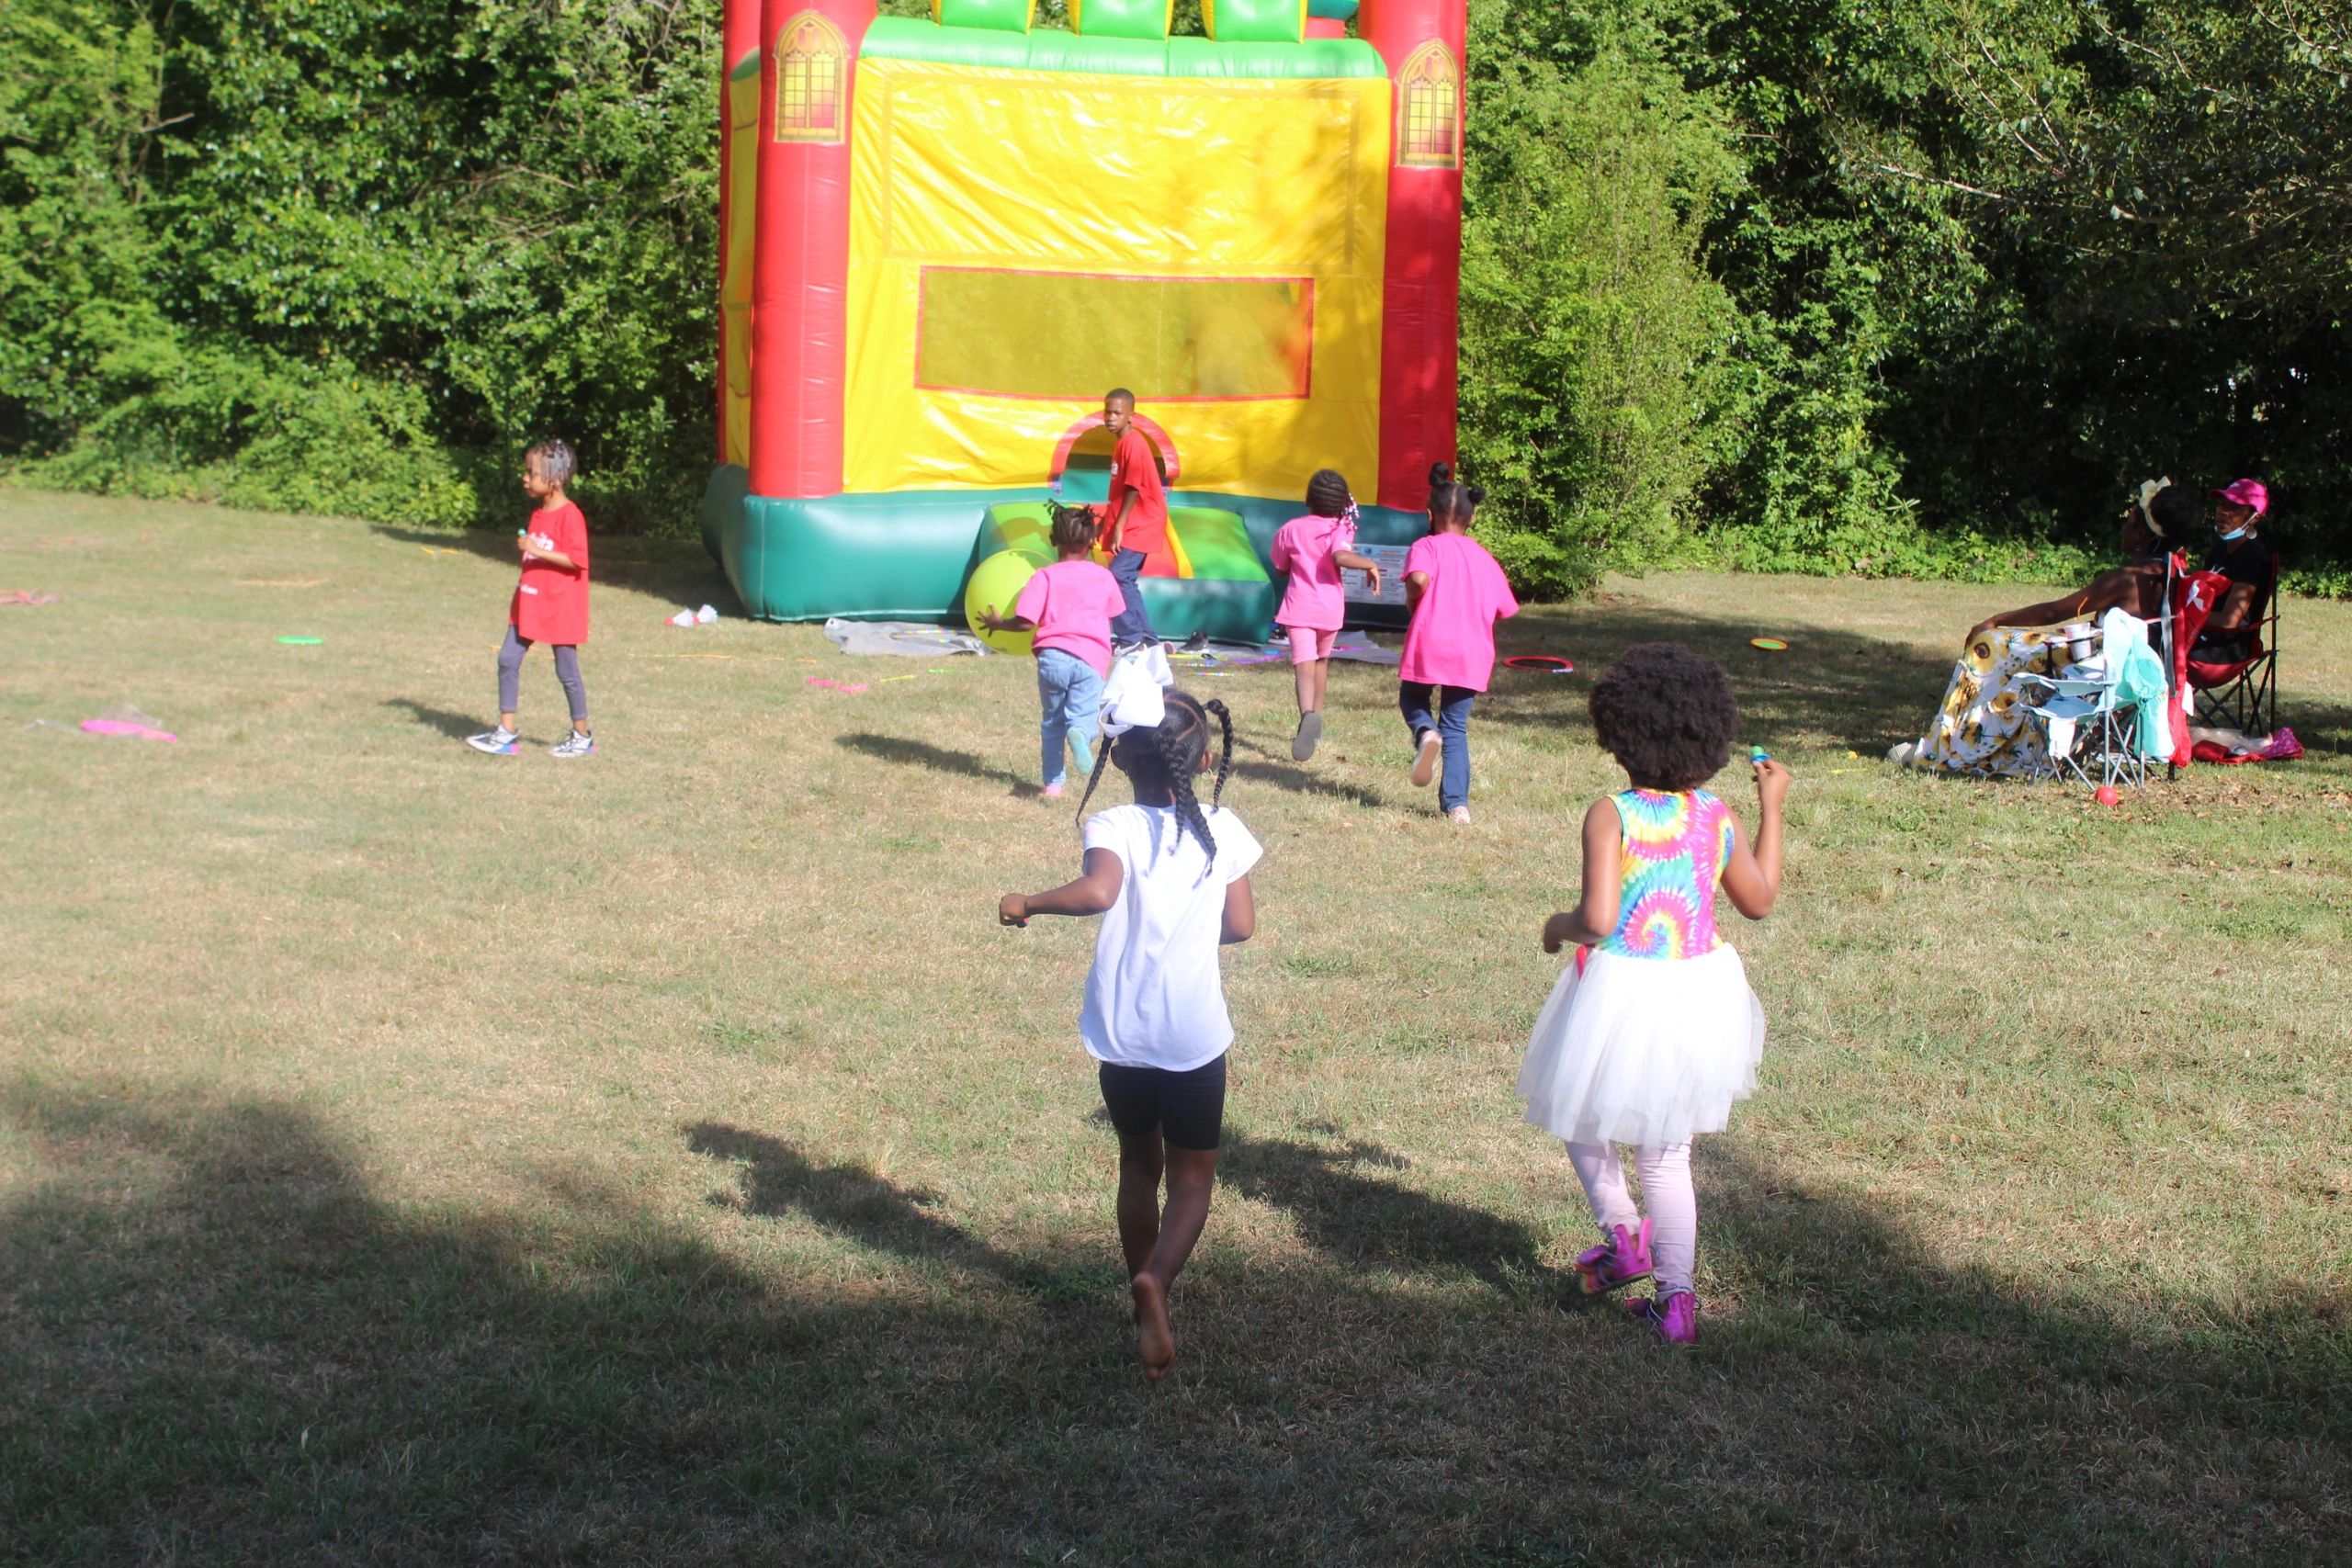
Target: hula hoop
{"x": 1550, "y": 661}
{"x": 1768, "y": 644}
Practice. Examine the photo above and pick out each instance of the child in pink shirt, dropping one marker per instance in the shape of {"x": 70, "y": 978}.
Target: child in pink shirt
{"x": 1454, "y": 593}
{"x": 1313, "y": 549}
{"x": 1071, "y": 605}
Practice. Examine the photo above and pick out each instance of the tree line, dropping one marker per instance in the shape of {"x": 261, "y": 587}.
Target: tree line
{"x": 1886, "y": 286}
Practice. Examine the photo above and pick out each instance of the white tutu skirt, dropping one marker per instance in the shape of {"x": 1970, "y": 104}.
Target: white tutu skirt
{"x": 1643, "y": 1050}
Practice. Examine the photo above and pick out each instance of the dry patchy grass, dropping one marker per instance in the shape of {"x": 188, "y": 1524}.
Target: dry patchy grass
{"x": 411, "y": 1155}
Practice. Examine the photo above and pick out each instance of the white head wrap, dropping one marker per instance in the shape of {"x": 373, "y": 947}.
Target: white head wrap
{"x": 1131, "y": 698}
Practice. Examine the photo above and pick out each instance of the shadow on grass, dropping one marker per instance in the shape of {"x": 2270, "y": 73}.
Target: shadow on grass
{"x": 847, "y": 1198}
{"x": 456, "y": 726}
{"x": 673, "y": 569}
{"x": 1834, "y": 686}
{"x": 222, "y": 1346}
{"x": 909, "y": 754}
{"x": 1277, "y": 770}
{"x": 1351, "y": 1203}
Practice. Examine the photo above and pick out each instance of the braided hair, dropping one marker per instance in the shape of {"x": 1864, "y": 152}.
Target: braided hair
{"x": 1073, "y": 526}
{"x": 556, "y": 462}
{"x": 1177, "y": 747}
{"x": 1328, "y": 494}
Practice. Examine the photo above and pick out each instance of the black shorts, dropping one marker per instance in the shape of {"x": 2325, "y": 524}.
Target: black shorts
{"x": 1186, "y": 1108}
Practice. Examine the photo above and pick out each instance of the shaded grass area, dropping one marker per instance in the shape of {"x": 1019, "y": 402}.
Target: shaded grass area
{"x": 410, "y": 1156}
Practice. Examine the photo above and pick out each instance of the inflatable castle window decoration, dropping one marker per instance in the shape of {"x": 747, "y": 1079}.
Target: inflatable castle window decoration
{"x": 811, "y": 80}
{"x": 1429, "y": 109}
{"x": 944, "y": 240}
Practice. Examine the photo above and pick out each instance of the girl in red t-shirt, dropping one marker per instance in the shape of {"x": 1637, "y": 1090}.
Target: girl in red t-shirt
{"x": 551, "y": 603}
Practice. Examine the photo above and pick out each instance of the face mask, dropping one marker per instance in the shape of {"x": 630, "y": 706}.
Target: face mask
{"x": 2233, "y": 534}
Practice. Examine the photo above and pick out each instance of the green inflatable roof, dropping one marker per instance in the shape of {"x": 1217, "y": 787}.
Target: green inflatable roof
{"x": 908, "y": 37}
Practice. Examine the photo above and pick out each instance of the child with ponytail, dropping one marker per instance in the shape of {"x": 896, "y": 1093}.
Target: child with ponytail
{"x": 1313, "y": 549}
{"x": 1171, "y": 883}
{"x": 1455, "y": 592}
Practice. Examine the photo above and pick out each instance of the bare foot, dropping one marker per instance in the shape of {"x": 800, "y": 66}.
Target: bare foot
{"x": 1155, "y": 1341}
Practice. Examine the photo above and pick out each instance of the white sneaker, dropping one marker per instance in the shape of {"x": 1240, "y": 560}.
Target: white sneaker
{"x": 1310, "y": 734}
{"x": 498, "y": 742}
{"x": 575, "y": 744}
{"x": 1459, "y": 813}
{"x": 1904, "y": 754}
{"x": 1425, "y": 761}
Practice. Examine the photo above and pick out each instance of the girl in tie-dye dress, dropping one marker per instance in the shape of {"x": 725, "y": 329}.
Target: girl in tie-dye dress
{"x": 1653, "y": 1033}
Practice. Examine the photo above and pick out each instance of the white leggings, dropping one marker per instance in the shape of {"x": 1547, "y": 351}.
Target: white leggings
{"x": 1666, "y": 1186}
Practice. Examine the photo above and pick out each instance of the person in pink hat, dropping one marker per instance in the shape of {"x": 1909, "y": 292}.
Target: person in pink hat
{"x": 2239, "y": 553}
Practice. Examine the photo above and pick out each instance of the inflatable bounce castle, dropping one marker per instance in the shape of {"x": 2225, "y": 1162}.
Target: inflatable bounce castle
{"x": 944, "y": 240}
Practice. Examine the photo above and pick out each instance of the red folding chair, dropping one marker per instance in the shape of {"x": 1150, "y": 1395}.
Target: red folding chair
{"x": 2243, "y": 694}
{"x": 2189, "y": 598}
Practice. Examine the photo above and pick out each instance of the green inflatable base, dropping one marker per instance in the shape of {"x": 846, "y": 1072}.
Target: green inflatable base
{"x": 1228, "y": 597}
{"x": 905, "y": 554}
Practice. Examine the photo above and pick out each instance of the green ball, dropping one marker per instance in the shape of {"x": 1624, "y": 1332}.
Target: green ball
{"x": 995, "y": 584}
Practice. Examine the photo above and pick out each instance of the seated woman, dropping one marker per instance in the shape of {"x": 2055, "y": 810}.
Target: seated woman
{"x": 2239, "y": 553}
{"x": 1982, "y": 727}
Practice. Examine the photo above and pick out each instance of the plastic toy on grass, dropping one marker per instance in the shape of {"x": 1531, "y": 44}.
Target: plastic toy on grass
{"x": 995, "y": 584}
{"x": 1548, "y": 662}
{"x": 2107, "y": 794}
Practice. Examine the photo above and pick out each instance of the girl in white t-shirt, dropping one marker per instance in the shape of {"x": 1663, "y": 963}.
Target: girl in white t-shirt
{"x": 1171, "y": 883}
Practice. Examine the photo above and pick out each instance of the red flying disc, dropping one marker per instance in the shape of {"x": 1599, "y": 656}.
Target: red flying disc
{"x": 1552, "y": 662}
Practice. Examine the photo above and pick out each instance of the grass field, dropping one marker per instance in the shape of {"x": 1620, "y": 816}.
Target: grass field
{"x": 411, "y": 1156}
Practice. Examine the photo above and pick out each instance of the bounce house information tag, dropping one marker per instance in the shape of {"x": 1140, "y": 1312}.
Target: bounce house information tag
{"x": 1390, "y": 559}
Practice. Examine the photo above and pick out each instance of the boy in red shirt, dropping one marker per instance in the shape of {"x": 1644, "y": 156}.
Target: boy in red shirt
{"x": 1135, "y": 519}
{"x": 551, "y": 605}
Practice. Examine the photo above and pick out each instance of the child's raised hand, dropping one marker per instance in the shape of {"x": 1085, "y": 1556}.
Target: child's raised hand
{"x": 1771, "y": 782}
{"x": 1012, "y": 909}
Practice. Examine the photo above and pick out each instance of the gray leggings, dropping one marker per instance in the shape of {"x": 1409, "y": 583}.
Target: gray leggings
{"x": 567, "y": 670}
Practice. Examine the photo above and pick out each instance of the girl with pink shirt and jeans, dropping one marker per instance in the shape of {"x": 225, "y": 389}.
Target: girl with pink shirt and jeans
{"x": 1454, "y": 593}
{"x": 1313, "y": 549}
{"x": 1071, "y": 605}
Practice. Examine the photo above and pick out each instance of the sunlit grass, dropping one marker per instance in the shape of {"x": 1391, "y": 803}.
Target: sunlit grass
{"x": 411, "y": 1155}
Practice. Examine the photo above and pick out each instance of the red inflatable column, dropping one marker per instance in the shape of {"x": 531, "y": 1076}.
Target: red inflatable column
{"x": 800, "y": 274}
{"x": 1422, "y": 41}
{"x": 738, "y": 32}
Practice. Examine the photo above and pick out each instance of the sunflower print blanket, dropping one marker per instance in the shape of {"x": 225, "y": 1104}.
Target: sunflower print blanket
{"x": 1983, "y": 726}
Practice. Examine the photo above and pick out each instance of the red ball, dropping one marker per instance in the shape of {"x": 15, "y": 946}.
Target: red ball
{"x": 2106, "y": 796}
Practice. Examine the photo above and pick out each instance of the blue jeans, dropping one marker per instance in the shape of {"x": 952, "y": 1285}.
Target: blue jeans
{"x": 1071, "y": 693}
{"x": 1130, "y": 625}
{"x": 1453, "y": 726}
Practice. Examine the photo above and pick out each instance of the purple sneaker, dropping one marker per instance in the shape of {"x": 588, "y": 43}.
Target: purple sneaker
{"x": 1676, "y": 1318}
{"x": 1620, "y": 1260}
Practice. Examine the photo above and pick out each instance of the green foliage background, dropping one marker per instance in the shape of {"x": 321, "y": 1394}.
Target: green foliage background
{"x": 1828, "y": 285}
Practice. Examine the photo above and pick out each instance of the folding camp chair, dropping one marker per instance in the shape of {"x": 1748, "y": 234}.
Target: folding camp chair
{"x": 2084, "y": 731}
{"x": 2242, "y": 695}
{"x": 2086, "y": 722}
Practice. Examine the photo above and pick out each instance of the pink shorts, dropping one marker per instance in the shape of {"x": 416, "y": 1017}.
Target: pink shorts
{"x": 1307, "y": 644}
